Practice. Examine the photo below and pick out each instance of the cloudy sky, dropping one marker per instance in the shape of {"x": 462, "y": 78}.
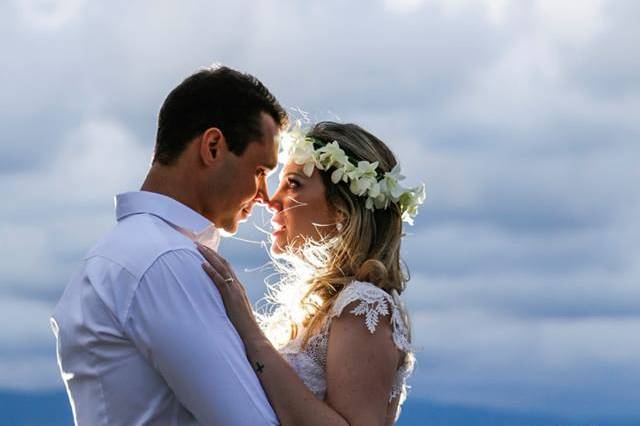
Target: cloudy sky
{"x": 523, "y": 118}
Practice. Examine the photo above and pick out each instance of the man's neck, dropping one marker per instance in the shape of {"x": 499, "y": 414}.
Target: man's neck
{"x": 172, "y": 182}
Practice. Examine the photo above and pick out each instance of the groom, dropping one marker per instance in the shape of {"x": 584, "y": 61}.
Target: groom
{"x": 142, "y": 334}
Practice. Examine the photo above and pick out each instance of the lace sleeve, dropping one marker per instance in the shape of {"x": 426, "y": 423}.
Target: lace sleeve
{"x": 373, "y": 303}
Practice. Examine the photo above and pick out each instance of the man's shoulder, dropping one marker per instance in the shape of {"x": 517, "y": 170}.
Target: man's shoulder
{"x": 137, "y": 242}
{"x": 113, "y": 269}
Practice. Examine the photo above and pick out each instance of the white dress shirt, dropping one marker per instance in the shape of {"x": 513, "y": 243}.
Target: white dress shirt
{"x": 142, "y": 334}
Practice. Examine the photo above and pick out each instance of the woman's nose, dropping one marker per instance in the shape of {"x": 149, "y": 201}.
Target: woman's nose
{"x": 275, "y": 204}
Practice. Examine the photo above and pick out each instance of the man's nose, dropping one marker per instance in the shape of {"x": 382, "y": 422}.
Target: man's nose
{"x": 262, "y": 195}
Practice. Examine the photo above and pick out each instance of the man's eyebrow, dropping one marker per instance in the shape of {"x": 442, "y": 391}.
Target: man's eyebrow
{"x": 270, "y": 172}
{"x": 271, "y": 167}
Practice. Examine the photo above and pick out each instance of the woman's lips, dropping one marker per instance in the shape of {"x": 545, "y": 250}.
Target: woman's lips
{"x": 276, "y": 232}
{"x": 277, "y": 228}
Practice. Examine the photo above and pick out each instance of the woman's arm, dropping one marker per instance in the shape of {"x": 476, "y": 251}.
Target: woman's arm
{"x": 292, "y": 401}
{"x": 358, "y": 379}
{"x": 361, "y": 368}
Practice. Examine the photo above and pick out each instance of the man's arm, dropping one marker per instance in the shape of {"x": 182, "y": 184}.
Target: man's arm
{"x": 177, "y": 320}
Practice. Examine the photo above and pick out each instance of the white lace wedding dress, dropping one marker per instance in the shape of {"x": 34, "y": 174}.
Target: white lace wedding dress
{"x": 310, "y": 363}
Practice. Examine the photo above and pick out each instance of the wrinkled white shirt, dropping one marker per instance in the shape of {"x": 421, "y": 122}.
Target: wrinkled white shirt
{"x": 142, "y": 334}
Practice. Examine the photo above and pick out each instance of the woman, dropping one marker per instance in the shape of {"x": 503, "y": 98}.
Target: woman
{"x": 336, "y": 351}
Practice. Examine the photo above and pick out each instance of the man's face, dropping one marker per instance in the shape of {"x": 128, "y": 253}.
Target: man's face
{"x": 241, "y": 181}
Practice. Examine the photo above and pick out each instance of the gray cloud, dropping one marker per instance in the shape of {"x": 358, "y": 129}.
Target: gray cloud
{"x": 550, "y": 365}
{"x": 521, "y": 117}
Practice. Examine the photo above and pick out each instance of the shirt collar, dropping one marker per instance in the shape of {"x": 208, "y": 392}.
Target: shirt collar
{"x": 181, "y": 217}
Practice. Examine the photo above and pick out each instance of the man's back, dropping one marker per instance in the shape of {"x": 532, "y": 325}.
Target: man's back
{"x": 142, "y": 334}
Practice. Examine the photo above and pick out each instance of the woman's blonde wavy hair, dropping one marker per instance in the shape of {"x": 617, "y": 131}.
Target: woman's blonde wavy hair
{"x": 367, "y": 248}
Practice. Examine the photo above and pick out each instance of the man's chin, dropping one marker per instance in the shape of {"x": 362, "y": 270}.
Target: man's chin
{"x": 225, "y": 232}
{"x": 229, "y": 229}
{"x": 230, "y": 226}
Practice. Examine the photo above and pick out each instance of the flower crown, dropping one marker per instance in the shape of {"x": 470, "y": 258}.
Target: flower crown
{"x": 364, "y": 180}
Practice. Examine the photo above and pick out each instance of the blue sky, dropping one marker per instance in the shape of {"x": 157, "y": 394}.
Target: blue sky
{"x": 522, "y": 118}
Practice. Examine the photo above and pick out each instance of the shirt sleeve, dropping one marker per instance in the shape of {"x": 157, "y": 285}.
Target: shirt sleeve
{"x": 178, "y": 321}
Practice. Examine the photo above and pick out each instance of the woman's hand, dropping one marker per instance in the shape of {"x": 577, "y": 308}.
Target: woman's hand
{"x": 233, "y": 294}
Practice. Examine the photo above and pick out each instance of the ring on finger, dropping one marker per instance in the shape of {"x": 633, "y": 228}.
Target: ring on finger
{"x": 229, "y": 280}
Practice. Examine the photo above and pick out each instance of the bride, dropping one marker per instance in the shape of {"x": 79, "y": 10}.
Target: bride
{"x": 336, "y": 350}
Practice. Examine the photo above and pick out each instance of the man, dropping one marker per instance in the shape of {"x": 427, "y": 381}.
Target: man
{"x": 142, "y": 333}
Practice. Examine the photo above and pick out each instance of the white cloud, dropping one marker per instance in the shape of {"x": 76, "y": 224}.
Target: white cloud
{"x": 57, "y": 212}
{"x": 48, "y": 14}
{"x": 494, "y": 11}
{"x": 404, "y": 6}
{"x": 27, "y": 356}
{"x": 33, "y": 372}
{"x": 33, "y": 326}
{"x": 523, "y": 254}
{"x": 97, "y": 158}
{"x": 570, "y": 21}
{"x": 551, "y": 365}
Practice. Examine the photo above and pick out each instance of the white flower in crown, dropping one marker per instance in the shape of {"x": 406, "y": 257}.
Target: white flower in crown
{"x": 342, "y": 173}
{"x": 392, "y": 179}
{"x": 379, "y": 202}
{"x": 304, "y": 153}
{"x": 363, "y": 178}
{"x": 332, "y": 155}
{"x": 289, "y": 137}
{"x": 410, "y": 201}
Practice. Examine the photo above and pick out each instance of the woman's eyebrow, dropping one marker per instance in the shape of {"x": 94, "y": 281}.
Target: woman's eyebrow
{"x": 283, "y": 175}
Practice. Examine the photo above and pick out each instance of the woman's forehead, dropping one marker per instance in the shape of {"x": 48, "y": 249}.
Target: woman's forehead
{"x": 291, "y": 167}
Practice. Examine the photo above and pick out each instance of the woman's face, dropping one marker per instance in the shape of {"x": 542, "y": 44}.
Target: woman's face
{"x": 301, "y": 211}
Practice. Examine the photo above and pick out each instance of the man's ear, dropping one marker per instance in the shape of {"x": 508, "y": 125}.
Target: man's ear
{"x": 211, "y": 142}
